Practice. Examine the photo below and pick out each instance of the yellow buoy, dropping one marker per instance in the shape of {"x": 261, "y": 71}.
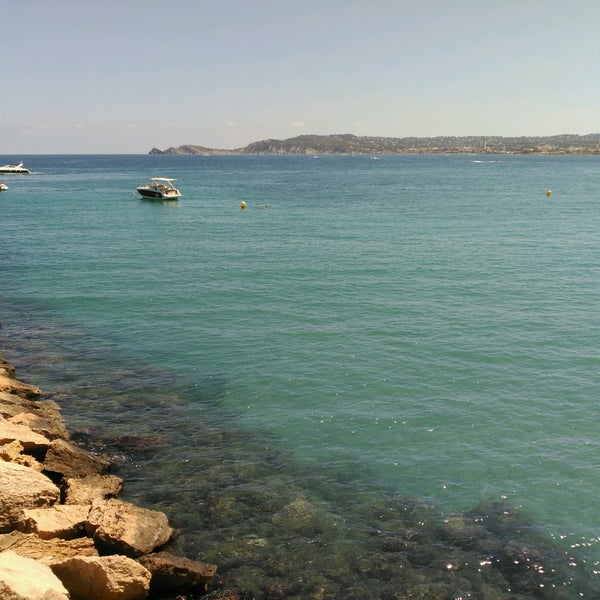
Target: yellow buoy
{"x": 243, "y": 205}
{"x": 549, "y": 193}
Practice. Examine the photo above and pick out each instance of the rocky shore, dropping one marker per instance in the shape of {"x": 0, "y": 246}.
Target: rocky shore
{"x": 64, "y": 534}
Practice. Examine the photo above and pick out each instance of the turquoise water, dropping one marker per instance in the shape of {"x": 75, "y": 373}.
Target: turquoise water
{"x": 417, "y": 325}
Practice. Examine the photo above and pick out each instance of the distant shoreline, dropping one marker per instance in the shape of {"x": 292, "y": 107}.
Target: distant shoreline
{"x": 348, "y": 144}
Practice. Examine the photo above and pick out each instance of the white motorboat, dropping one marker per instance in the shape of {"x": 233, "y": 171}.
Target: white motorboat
{"x": 160, "y": 188}
{"x": 3, "y": 187}
{"x": 14, "y": 169}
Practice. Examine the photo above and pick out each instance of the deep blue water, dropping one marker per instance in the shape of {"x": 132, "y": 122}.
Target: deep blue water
{"x": 417, "y": 325}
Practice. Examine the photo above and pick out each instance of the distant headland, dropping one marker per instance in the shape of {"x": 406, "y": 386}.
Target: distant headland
{"x": 352, "y": 144}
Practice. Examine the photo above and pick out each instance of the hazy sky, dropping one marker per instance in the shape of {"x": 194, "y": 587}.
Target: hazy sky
{"x": 122, "y": 76}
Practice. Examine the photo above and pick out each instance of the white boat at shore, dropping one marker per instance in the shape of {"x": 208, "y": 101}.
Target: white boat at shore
{"x": 160, "y": 188}
{"x": 14, "y": 169}
{"x": 3, "y": 187}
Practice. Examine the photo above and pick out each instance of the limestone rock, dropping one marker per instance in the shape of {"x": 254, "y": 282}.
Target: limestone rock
{"x": 44, "y": 415}
{"x": 92, "y": 487}
{"x": 22, "y": 488}
{"x": 121, "y": 527}
{"x": 104, "y": 578}
{"x": 45, "y": 422}
{"x": 6, "y": 368}
{"x": 31, "y": 441}
{"x": 11, "y": 404}
{"x": 177, "y": 575}
{"x": 27, "y": 579}
{"x": 14, "y": 452}
{"x": 48, "y": 552}
{"x": 10, "y": 451}
{"x": 61, "y": 521}
{"x": 7, "y": 540}
{"x": 20, "y": 388}
{"x": 69, "y": 460}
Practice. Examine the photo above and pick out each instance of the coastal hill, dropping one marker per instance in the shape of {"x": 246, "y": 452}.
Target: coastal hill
{"x": 352, "y": 144}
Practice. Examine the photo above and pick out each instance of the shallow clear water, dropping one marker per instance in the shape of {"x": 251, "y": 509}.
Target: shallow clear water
{"x": 417, "y": 325}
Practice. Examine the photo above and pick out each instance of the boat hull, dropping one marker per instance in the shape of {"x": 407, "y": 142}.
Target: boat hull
{"x": 7, "y": 171}
{"x": 157, "y": 194}
{"x": 14, "y": 169}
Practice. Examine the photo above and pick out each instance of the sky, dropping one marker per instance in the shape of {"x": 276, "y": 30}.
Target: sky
{"x": 124, "y": 76}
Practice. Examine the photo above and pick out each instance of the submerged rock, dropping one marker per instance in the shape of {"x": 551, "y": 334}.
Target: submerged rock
{"x": 175, "y": 574}
{"x": 463, "y": 531}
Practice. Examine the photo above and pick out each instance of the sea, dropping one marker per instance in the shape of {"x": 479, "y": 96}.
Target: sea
{"x": 379, "y": 379}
